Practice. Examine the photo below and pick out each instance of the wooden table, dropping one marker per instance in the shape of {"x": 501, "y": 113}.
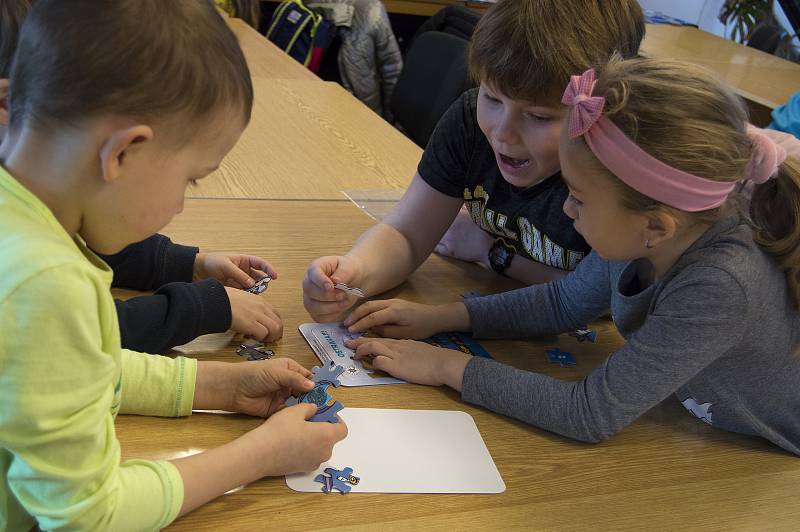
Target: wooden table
{"x": 764, "y": 80}
{"x": 310, "y": 140}
{"x": 264, "y": 58}
{"x": 667, "y": 471}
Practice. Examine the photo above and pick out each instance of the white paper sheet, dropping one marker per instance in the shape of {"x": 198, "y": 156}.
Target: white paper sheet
{"x": 327, "y": 341}
{"x": 410, "y": 451}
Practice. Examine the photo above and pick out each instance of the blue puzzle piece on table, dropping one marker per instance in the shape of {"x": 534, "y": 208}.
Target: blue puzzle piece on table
{"x": 327, "y": 413}
{"x": 323, "y": 378}
{"x": 338, "y": 480}
{"x": 562, "y": 358}
{"x": 255, "y": 352}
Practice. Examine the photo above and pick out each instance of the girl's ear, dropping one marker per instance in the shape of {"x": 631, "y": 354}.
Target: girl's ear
{"x": 661, "y": 226}
{"x": 115, "y": 148}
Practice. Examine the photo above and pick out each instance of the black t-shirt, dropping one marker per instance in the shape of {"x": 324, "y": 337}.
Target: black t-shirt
{"x": 459, "y": 162}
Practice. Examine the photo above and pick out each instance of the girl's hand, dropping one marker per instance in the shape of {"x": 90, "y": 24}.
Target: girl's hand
{"x": 413, "y": 361}
{"x": 464, "y": 240}
{"x": 322, "y": 301}
{"x": 252, "y": 316}
{"x": 231, "y": 269}
{"x": 394, "y": 318}
{"x": 294, "y": 444}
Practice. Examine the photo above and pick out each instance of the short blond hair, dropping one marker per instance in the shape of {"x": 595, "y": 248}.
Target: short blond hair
{"x": 683, "y": 116}
{"x": 528, "y": 49}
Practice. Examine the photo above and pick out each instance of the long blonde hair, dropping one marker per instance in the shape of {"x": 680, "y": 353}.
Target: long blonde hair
{"x": 682, "y": 115}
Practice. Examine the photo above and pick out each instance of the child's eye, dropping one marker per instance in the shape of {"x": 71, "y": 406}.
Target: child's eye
{"x": 491, "y": 99}
{"x": 537, "y": 118}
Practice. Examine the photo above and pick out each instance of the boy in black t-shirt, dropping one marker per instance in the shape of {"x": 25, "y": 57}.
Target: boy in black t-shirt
{"x": 495, "y": 152}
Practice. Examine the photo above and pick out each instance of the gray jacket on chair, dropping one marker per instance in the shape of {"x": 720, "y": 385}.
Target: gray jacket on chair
{"x": 369, "y": 58}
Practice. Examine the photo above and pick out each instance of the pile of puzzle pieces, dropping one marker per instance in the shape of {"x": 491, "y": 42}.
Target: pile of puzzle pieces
{"x": 323, "y": 378}
{"x": 335, "y": 479}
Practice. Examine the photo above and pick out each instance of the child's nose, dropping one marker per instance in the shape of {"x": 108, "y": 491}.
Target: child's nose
{"x": 569, "y": 209}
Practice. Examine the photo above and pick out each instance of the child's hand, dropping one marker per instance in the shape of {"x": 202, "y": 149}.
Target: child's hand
{"x": 395, "y": 318}
{"x": 413, "y": 361}
{"x": 251, "y": 315}
{"x": 294, "y": 444}
{"x": 322, "y": 301}
{"x": 231, "y": 269}
{"x": 261, "y": 387}
{"x": 464, "y": 240}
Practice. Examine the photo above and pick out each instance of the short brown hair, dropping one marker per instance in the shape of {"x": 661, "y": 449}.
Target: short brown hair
{"x": 146, "y": 59}
{"x": 528, "y": 49}
{"x": 682, "y": 115}
{"x": 12, "y": 15}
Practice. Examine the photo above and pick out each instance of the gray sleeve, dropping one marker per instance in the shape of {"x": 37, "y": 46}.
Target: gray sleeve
{"x": 567, "y": 304}
{"x": 696, "y": 320}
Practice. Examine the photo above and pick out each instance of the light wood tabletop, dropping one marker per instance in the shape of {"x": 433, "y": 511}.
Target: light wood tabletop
{"x": 763, "y": 79}
{"x": 667, "y": 471}
{"x": 264, "y": 58}
{"x": 311, "y": 140}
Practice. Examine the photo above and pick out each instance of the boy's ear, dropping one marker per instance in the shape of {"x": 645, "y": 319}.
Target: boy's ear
{"x": 116, "y": 147}
{"x": 3, "y": 101}
{"x": 661, "y": 226}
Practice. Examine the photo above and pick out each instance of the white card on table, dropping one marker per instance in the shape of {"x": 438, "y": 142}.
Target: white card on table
{"x": 327, "y": 341}
{"x": 410, "y": 451}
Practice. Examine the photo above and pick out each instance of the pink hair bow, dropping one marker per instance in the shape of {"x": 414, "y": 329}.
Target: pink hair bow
{"x": 586, "y": 109}
{"x": 767, "y": 156}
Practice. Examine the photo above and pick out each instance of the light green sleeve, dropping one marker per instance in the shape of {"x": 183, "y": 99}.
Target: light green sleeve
{"x": 156, "y": 385}
{"x": 60, "y": 371}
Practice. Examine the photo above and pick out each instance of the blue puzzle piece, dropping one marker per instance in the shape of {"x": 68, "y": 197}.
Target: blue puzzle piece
{"x": 255, "y": 352}
{"x": 584, "y": 334}
{"x": 562, "y": 358}
{"x": 261, "y": 285}
{"x": 329, "y": 374}
{"x": 339, "y": 480}
{"x": 318, "y": 395}
{"x": 327, "y": 413}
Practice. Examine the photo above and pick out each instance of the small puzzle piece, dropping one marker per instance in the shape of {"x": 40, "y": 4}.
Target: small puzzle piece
{"x": 318, "y": 395}
{"x": 584, "y": 334}
{"x": 350, "y": 290}
{"x": 261, "y": 285}
{"x": 562, "y": 358}
{"x": 327, "y": 413}
{"x": 329, "y": 373}
{"x": 255, "y": 351}
{"x": 333, "y": 479}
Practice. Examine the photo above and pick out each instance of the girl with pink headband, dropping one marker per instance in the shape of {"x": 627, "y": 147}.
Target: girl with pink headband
{"x": 705, "y": 294}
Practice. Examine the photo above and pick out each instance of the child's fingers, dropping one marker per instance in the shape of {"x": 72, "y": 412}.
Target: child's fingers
{"x": 318, "y": 277}
{"x": 373, "y": 347}
{"x": 238, "y": 275}
{"x": 293, "y": 381}
{"x": 375, "y": 319}
{"x": 386, "y": 364}
{"x": 294, "y": 366}
{"x": 367, "y": 308}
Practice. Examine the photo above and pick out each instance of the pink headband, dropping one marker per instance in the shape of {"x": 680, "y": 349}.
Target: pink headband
{"x": 643, "y": 172}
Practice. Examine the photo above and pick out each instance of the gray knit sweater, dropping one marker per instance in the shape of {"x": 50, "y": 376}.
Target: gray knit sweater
{"x": 718, "y": 331}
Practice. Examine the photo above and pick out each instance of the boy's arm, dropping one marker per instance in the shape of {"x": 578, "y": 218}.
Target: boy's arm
{"x": 177, "y": 313}
{"x": 151, "y": 263}
{"x": 58, "y": 391}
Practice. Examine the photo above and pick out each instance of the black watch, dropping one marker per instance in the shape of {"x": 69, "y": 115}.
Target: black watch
{"x": 501, "y": 255}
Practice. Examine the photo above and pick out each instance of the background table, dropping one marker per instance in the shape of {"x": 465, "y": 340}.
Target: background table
{"x": 667, "y": 471}
{"x": 764, "y": 80}
{"x": 311, "y": 139}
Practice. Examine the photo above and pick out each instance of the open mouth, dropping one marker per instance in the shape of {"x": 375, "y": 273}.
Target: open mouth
{"x": 514, "y": 163}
